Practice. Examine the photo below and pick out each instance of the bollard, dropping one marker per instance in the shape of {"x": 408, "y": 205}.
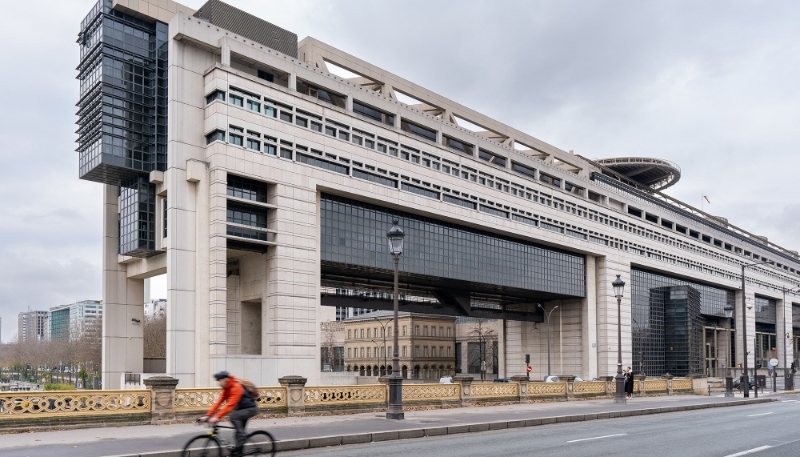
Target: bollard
{"x": 162, "y": 399}
{"x": 295, "y": 396}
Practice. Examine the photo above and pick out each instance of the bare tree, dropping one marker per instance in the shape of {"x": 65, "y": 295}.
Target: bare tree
{"x": 155, "y": 336}
{"x": 481, "y": 347}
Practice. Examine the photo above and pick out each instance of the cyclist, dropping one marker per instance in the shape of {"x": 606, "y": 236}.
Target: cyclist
{"x": 238, "y": 403}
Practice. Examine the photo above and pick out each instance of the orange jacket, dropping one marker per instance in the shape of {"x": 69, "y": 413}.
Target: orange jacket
{"x": 231, "y": 394}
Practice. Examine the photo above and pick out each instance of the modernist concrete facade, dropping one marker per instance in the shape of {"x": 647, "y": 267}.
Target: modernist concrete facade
{"x": 264, "y": 184}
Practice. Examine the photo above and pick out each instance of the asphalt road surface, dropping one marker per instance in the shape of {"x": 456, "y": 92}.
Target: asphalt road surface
{"x": 768, "y": 430}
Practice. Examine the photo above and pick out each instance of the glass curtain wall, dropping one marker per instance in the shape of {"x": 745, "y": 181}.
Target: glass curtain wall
{"x": 668, "y": 319}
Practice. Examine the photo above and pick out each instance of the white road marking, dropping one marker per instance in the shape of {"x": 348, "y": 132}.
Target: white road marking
{"x": 789, "y": 401}
{"x": 751, "y": 451}
{"x": 762, "y": 414}
{"x": 596, "y": 438}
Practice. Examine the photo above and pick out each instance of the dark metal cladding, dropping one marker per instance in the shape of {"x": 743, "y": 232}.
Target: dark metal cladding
{"x": 237, "y": 21}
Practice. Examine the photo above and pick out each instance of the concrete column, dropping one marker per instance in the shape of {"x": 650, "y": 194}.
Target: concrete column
{"x": 607, "y": 269}
{"x": 123, "y": 303}
{"x": 225, "y": 52}
{"x": 782, "y": 327}
{"x": 292, "y": 81}
{"x": 589, "y": 322}
{"x": 523, "y": 387}
{"x": 668, "y": 377}
{"x": 751, "y": 329}
{"x": 162, "y": 398}
{"x": 466, "y": 389}
{"x": 295, "y": 398}
{"x": 348, "y": 102}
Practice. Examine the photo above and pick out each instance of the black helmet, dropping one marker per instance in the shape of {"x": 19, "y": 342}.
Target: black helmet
{"x": 222, "y": 375}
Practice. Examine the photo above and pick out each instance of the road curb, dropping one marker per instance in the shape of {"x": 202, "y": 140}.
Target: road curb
{"x": 338, "y": 440}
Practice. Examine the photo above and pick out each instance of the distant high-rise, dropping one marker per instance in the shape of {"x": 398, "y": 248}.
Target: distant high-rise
{"x": 71, "y": 322}
{"x": 33, "y": 326}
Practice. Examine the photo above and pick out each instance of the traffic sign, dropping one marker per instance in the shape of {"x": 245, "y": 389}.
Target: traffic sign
{"x": 529, "y": 369}
{"x": 773, "y": 362}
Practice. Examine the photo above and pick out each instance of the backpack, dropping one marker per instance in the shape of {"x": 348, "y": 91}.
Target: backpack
{"x": 250, "y": 388}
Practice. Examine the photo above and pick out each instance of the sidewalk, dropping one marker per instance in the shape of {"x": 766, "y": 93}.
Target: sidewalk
{"x": 319, "y": 431}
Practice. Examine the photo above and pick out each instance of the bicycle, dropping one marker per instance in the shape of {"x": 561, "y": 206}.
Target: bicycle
{"x": 257, "y": 443}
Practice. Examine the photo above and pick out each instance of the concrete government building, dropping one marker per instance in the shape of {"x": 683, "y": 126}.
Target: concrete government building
{"x": 263, "y": 185}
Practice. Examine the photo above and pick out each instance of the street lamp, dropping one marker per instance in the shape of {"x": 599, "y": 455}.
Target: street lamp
{"x": 548, "y": 332}
{"x": 395, "y": 411}
{"x": 745, "y": 378}
{"x": 788, "y": 379}
{"x": 728, "y": 374}
{"x": 619, "y": 288}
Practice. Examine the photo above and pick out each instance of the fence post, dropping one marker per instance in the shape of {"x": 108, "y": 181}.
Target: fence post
{"x": 640, "y": 383}
{"x": 610, "y": 387}
{"x": 295, "y": 397}
{"x": 466, "y": 389}
{"x": 162, "y": 398}
{"x": 570, "y": 394}
{"x": 522, "y": 380}
{"x": 668, "y": 377}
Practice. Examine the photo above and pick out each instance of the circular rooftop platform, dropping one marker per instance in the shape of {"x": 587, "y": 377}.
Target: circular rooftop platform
{"x": 654, "y": 173}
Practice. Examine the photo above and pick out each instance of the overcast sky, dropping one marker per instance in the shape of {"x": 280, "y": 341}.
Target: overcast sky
{"x": 712, "y": 86}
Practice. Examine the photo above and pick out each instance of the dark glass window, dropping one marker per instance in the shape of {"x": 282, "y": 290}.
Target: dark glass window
{"x": 235, "y": 139}
{"x": 286, "y": 153}
{"x": 254, "y": 144}
{"x": 372, "y": 113}
{"x": 420, "y": 190}
{"x": 246, "y": 233}
{"x": 374, "y": 178}
{"x": 248, "y": 189}
{"x": 266, "y": 75}
{"x": 459, "y": 201}
{"x": 491, "y": 157}
{"x": 286, "y": 116}
{"x": 216, "y": 95}
{"x": 246, "y": 215}
{"x": 316, "y": 126}
{"x": 330, "y": 130}
{"x": 458, "y": 145}
{"x": 524, "y": 170}
{"x": 524, "y": 220}
{"x": 236, "y": 100}
{"x": 494, "y": 211}
{"x": 343, "y": 135}
{"x": 424, "y": 132}
{"x": 216, "y": 135}
{"x": 328, "y": 165}
{"x": 302, "y": 122}
{"x": 270, "y": 111}
{"x": 355, "y": 233}
{"x": 254, "y": 106}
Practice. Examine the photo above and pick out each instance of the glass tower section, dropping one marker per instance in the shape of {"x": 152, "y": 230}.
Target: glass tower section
{"x": 668, "y": 316}
{"x": 122, "y": 114}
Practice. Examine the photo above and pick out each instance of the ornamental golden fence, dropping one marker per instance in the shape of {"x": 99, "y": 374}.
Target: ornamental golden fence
{"x": 589, "y": 387}
{"x": 73, "y": 403}
{"x": 202, "y": 399}
{"x": 494, "y": 390}
{"x": 655, "y": 385}
{"x": 421, "y": 392}
{"x": 546, "y": 388}
{"x": 682, "y": 384}
{"x": 368, "y": 393}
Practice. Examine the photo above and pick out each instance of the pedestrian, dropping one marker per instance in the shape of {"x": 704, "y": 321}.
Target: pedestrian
{"x": 629, "y": 382}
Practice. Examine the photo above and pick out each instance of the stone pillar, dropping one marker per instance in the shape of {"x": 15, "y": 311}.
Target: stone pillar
{"x": 668, "y": 377}
{"x": 611, "y": 388}
{"x": 522, "y": 380}
{"x": 162, "y": 399}
{"x": 570, "y": 385}
{"x": 292, "y": 83}
{"x": 639, "y": 382}
{"x": 466, "y": 389}
{"x": 589, "y": 322}
{"x": 295, "y": 398}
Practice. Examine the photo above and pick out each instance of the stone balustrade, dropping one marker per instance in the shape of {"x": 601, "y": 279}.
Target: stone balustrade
{"x": 164, "y": 401}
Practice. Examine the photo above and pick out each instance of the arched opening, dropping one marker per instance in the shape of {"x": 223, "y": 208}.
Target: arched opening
{"x": 383, "y": 370}
{"x": 416, "y": 372}
{"x": 405, "y": 372}
{"x": 361, "y": 371}
{"x": 369, "y": 371}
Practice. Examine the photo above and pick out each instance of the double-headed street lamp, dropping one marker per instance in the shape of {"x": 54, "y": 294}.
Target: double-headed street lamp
{"x": 728, "y": 374}
{"x": 395, "y": 411}
{"x": 547, "y": 314}
{"x": 619, "y": 288}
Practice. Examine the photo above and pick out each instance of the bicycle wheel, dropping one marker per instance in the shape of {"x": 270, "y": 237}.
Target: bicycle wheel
{"x": 259, "y": 443}
{"x": 202, "y": 446}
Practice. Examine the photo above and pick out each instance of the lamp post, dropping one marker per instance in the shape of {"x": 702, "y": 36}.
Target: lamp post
{"x": 395, "y": 411}
{"x": 547, "y": 315}
{"x": 788, "y": 379}
{"x": 745, "y": 379}
{"x": 619, "y": 288}
{"x": 728, "y": 374}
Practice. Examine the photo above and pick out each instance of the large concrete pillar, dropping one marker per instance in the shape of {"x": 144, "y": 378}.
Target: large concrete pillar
{"x": 751, "y": 328}
{"x": 607, "y": 269}
{"x": 783, "y": 328}
{"x": 589, "y": 321}
{"x": 123, "y": 303}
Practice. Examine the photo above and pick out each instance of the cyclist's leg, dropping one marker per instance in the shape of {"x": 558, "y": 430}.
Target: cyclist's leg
{"x": 239, "y": 419}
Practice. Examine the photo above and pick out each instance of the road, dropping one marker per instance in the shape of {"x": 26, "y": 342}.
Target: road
{"x": 708, "y": 433}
